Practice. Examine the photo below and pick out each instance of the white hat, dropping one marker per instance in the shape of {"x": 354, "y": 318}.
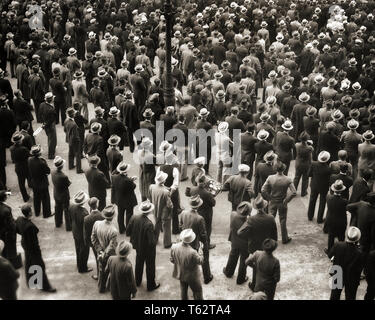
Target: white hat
{"x": 200, "y": 160}
{"x": 161, "y": 176}
{"x": 187, "y": 236}
{"x": 263, "y": 135}
{"x": 223, "y": 126}
{"x": 243, "y": 168}
{"x": 324, "y": 156}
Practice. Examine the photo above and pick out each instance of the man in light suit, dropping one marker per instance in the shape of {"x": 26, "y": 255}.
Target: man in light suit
{"x": 186, "y": 262}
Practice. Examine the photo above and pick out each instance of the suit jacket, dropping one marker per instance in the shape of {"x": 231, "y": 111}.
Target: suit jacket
{"x": 186, "y": 262}
{"x": 336, "y": 220}
{"x": 256, "y": 229}
{"x": 115, "y": 126}
{"x": 58, "y": 90}
{"x": 161, "y": 198}
{"x": 359, "y": 191}
{"x": 97, "y": 183}
{"x": 206, "y": 209}
{"x": 261, "y": 148}
{"x": 236, "y": 222}
{"x": 284, "y": 146}
{"x": 61, "y": 185}
{"x": 329, "y": 142}
{"x": 191, "y": 219}
{"x": 77, "y": 215}
{"x": 93, "y": 144}
{"x": 346, "y": 179}
{"x": 142, "y": 234}
{"x": 320, "y": 173}
{"x": 39, "y": 171}
{"x": 247, "y": 147}
{"x": 71, "y": 132}
{"x": 350, "y": 259}
{"x": 122, "y": 281}
{"x": 114, "y": 157}
{"x": 8, "y": 278}
{"x": 20, "y": 155}
{"x": 262, "y": 172}
{"x": 7, "y": 126}
{"x": 240, "y": 189}
{"x": 88, "y": 224}
{"x": 123, "y": 194}
{"x": 48, "y": 114}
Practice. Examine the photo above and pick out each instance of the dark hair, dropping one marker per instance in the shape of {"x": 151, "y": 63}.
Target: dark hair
{"x": 25, "y": 125}
{"x": 367, "y": 174}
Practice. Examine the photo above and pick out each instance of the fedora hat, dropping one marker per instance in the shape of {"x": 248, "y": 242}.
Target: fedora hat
{"x": 263, "y": 135}
{"x": 337, "y": 115}
{"x": 148, "y": 113}
{"x": 346, "y": 100}
{"x": 265, "y": 116}
{"x": 352, "y": 62}
{"x": 48, "y": 96}
{"x": 243, "y": 168}
{"x": 96, "y": 127}
{"x": 123, "y": 167}
{"x": 102, "y": 73}
{"x": 304, "y": 97}
{"x": 279, "y": 37}
{"x": 324, "y": 156}
{"x": 353, "y": 235}
{"x": 332, "y": 82}
{"x": 318, "y": 78}
{"x": 269, "y": 156}
{"x": 146, "y": 206}
{"x": 352, "y": 124}
{"x": 78, "y": 74}
{"x": 272, "y": 74}
{"x": 218, "y": 75}
{"x": 80, "y": 197}
{"x": 98, "y": 111}
{"x": 271, "y": 100}
{"x": 368, "y": 135}
{"x": 220, "y": 94}
{"x": 195, "y": 202}
{"x": 17, "y": 137}
{"x": 72, "y": 51}
{"x": 354, "y": 113}
{"x": 338, "y": 186}
{"x": 204, "y": 112}
{"x": 223, "y": 127}
{"x": 109, "y": 211}
{"x": 269, "y": 245}
{"x": 187, "y": 235}
{"x": 160, "y": 177}
{"x": 356, "y": 86}
{"x": 139, "y": 68}
{"x": 311, "y": 111}
{"x": 259, "y": 203}
{"x": 36, "y": 150}
{"x": 146, "y": 142}
{"x": 244, "y": 208}
{"x": 93, "y": 160}
{"x": 264, "y": 24}
{"x": 70, "y": 112}
{"x": 114, "y": 111}
{"x": 200, "y": 160}
{"x": 287, "y": 125}
{"x": 286, "y": 86}
{"x": 114, "y": 140}
{"x": 123, "y": 248}
{"x": 58, "y": 162}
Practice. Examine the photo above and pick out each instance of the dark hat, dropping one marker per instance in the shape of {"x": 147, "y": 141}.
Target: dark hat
{"x": 269, "y": 245}
{"x": 146, "y": 207}
{"x": 36, "y": 150}
{"x": 70, "y": 112}
{"x": 259, "y": 203}
{"x": 99, "y": 110}
{"x": 80, "y": 197}
{"x": 58, "y": 162}
{"x": 108, "y": 212}
{"x": 195, "y": 202}
{"x": 17, "y": 137}
{"x": 93, "y": 160}
{"x": 244, "y": 208}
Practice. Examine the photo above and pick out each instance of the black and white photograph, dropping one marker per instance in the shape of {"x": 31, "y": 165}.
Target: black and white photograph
{"x": 171, "y": 150}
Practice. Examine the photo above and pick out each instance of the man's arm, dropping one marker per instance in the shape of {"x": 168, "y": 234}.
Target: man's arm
{"x": 266, "y": 189}
{"x": 293, "y": 192}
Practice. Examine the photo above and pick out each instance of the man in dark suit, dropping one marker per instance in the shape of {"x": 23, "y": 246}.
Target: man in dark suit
{"x": 319, "y": 185}
{"x": 263, "y": 170}
{"x": 169, "y": 120}
{"x": 363, "y": 217}
{"x": 348, "y": 256}
{"x": 97, "y": 182}
{"x": 298, "y": 112}
{"x": 39, "y": 171}
{"x": 361, "y": 186}
{"x": 234, "y": 122}
{"x": 192, "y": 220}
{"x": 284, "y": 145}
{"x": 238, "y": 245}
{"x": 61, "y": 194}
{"x": 113, "y": 153}
{"x": 30, "y": 244}
{"x": 123, "y": 185}
{"x": 48, "y": 117}
{"x": 205, "y": 139}
{"x": 247, "y": 148}
{"x": 77, "y": 214}
{"x": 130, "y": 118}
{"x": 256, "y": 229}
{"x": 343, "y": 175}
{"x": 116, "y": 126}
{"x": 139, "y": 87}
{"x": 141, "y": 230}
{"x": 182, "y": 147}
{"x": 59, "y": 91}
{"x": 99, "y": 113}
{"x": 262, "y": 146}
{"x": 20, "y": 155}
{"x": 88, "y": 224}
{"x": 73, "y": 139}
{"x": 206, "y": 209}
{"x": 328, "y": 141}
{"x": 8, "y": 278}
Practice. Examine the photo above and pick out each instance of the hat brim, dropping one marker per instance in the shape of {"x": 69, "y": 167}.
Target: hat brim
{"x": 197, "y": 205}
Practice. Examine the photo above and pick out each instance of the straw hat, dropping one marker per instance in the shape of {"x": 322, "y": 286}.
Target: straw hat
{"x": 187, "y": 235}
{"x": 324, "y": 156}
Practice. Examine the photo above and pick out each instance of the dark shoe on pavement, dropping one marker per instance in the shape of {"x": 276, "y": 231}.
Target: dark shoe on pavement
{"x": 243, "y": 281}
{"x": 251, "y": 286}
{"x": 212, "y": 246}
{"x": 51, "y": 215}
{"x": 207, "y": 281}
{"x": 157, "y": 285}
{"x": 79, "y": 171}
{"x": 304, "y": 194}
{"x": 287, "y": 241}
{"x": 94, "y": 276}
{"x": 225, "y": 273}
{"x": 50, "y": 290}
{"x": 86, "y": 271}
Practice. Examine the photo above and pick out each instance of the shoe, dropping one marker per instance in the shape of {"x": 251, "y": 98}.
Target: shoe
{"x": 94, "y": 276}
{"x": 157, "y": 285}
{"x": 207, "y": 281}
{"x": 86, "y": 271}
{"x": 251, "y": 286}
{"x": 212, "y": 246}
{"x": 287, "y": 241}
{"x": 225, "y": 273}
{"x": 243, "y": 281}
{"x": 51, "y": 215}
{"x": 50, "y": 290}
{"x": 304, "y": 194}
{"x": 80, "y": 171}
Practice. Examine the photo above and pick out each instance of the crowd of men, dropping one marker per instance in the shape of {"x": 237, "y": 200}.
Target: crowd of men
{"x": 296, "y": 79}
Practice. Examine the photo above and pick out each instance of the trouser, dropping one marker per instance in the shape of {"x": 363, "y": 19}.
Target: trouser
{"x": 234, "y": 254}
{"x": 287, "y": 165}
{"x": 103, "y": 167}
{"x": 350, "y": 292}
{"x": 131, "y": 140}
{"x": 36, "y": 108}
{"x": 331, "y": 239}
{"x": 279, "y": 206}
{"x": 9, "y": 293}
{"x": 208, "y": 223}
{"x": 60, "y": 109}
{"x": 164, "y": 225}
{"x": 75, "y": 152}
{"x": 35, "y": 260}
{"x": 370, "y": 278}
{"x": 222, "y": 174}
{"x": 41, "y": 197}
{"x": 195, "y": 286}
{"x": 102, "y": 203}
{"x": 206, "y": 263}
{"x": 249, "y": 160}
{"x": 175, "y": 198}
{"x": 22, "y": 177}
{"x": 302, "y": 172}
{"x": 270, "y": 291}
{"x": 322, "y": 203}
{"x": 12, "y": 67}
{"x": 96, "y": 259}
{"x": 85, "y": 111}
{"x": 103, "y": 273}
{"x": 182, "y": 154}
{"x": 121, "y": 215}
{"x": 3, "y": 160}
{"x": 82, "y": 252}
{"x": 52, "y": 141}
{"x": 60, "y": 208}
{"x": 148, "y": 258}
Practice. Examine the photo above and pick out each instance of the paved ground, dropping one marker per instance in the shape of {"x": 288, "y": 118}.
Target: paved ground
{"x": 304, "y": 266}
